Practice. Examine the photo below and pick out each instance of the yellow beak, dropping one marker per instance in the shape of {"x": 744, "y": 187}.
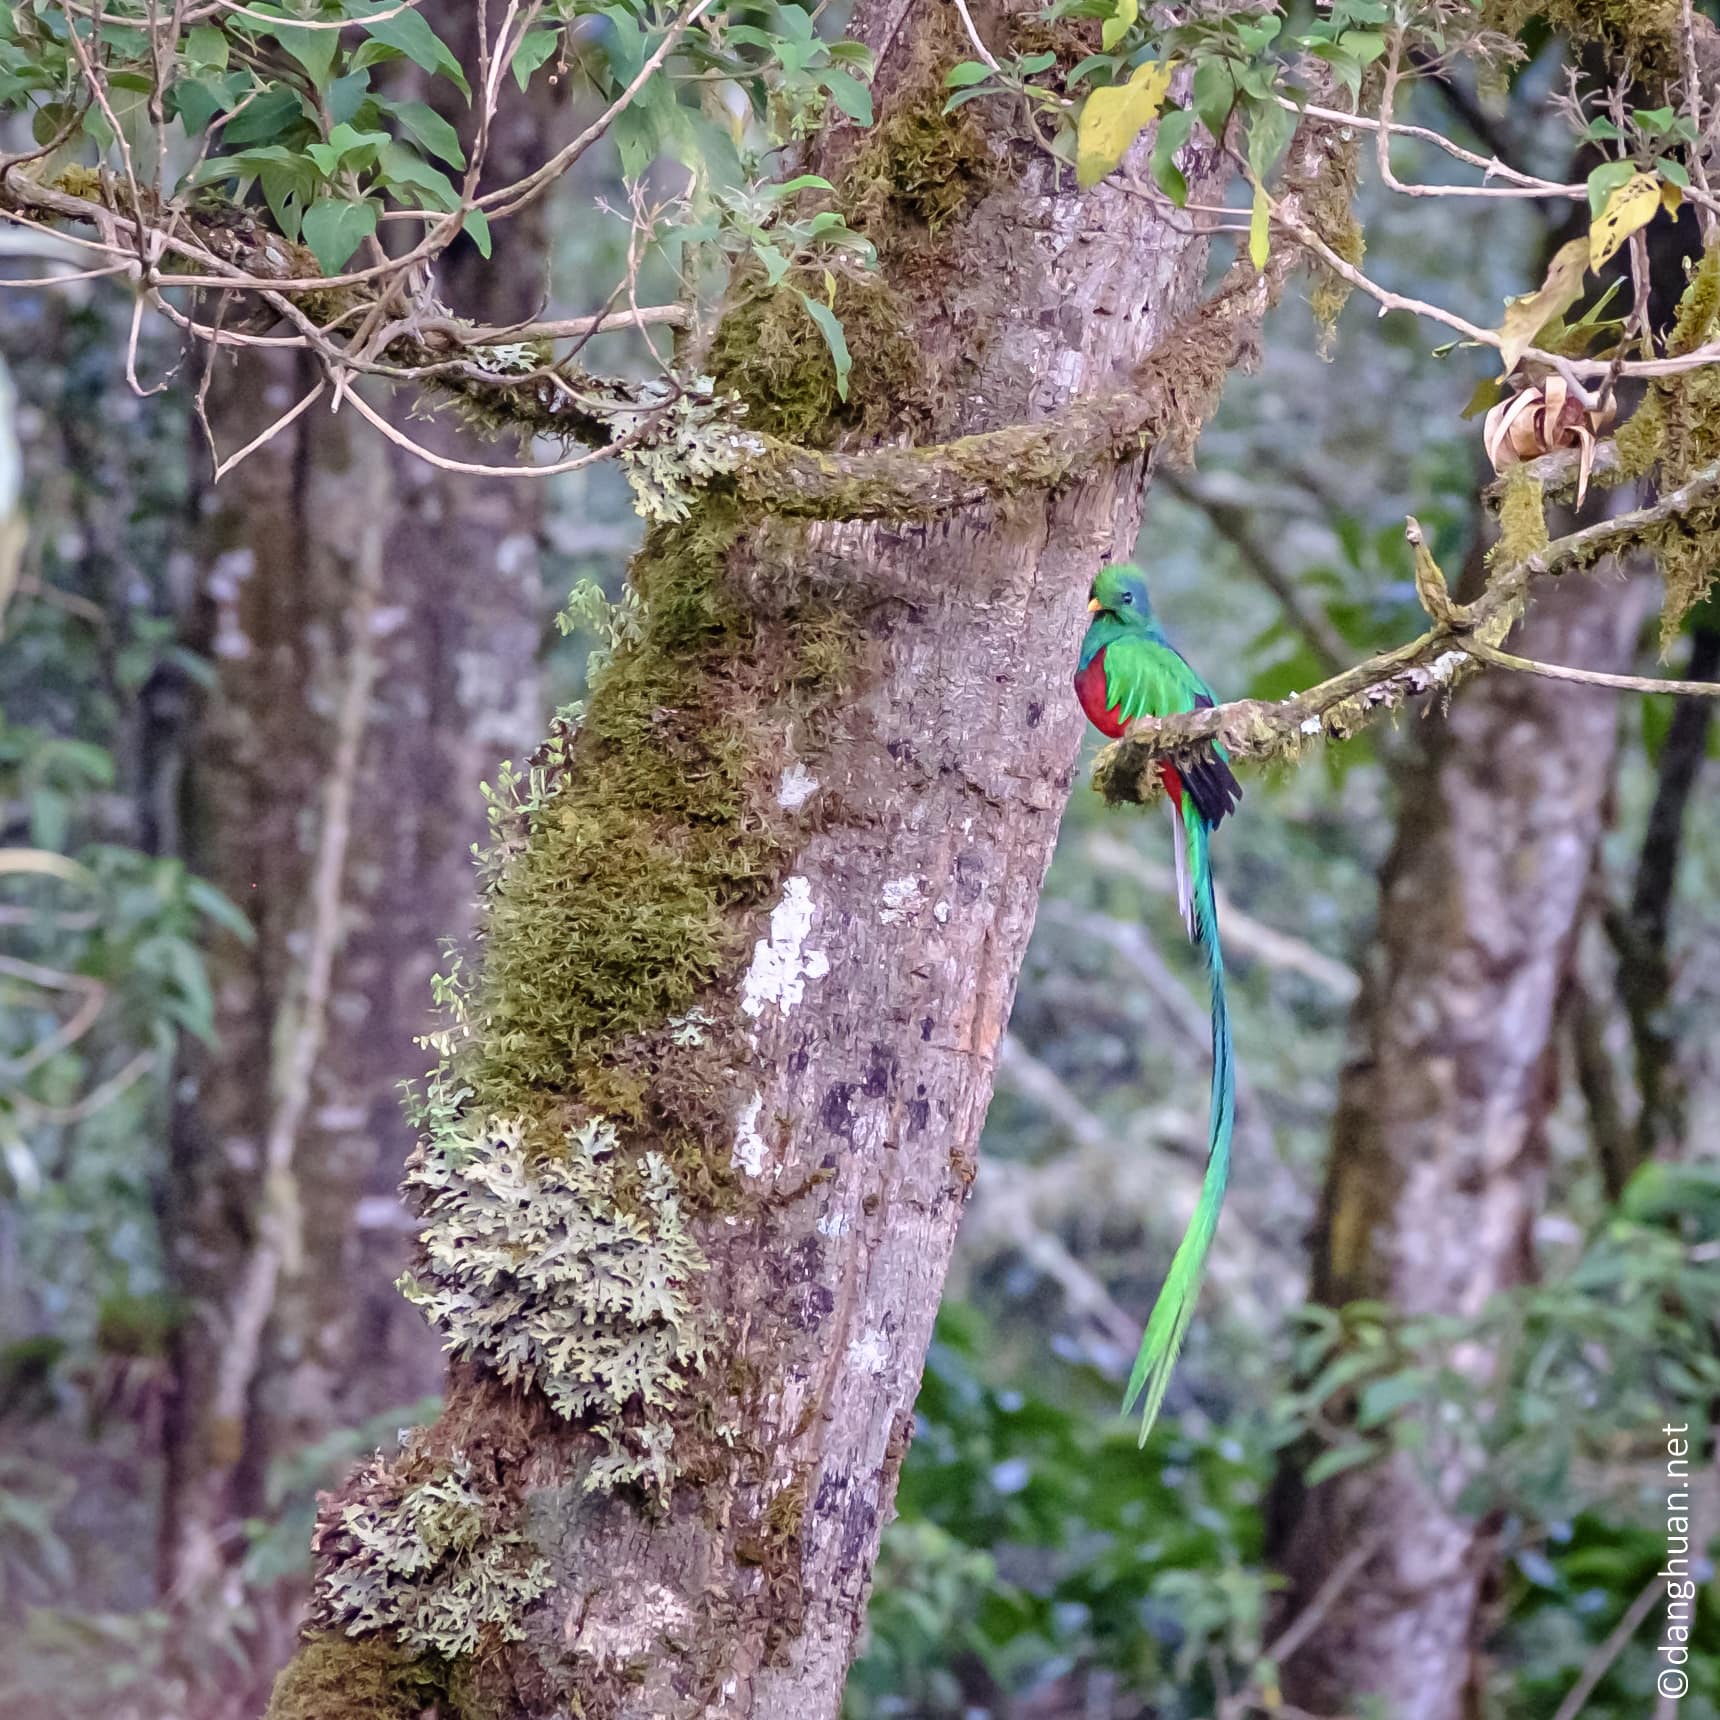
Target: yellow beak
{"x": 1094, "y": 606}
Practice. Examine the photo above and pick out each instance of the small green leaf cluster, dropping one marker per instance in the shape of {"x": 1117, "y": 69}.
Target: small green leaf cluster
{"x": 432, "y": 1565}
{"x": 559, "y": 1271}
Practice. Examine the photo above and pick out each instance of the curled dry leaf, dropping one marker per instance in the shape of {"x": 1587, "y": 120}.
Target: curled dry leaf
{"x": 1541, "y": 417}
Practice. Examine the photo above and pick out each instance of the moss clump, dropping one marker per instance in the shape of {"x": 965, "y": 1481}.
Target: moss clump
{"x": 1522, "y": 520}
{"x": 334, "y": 1677}
{"x": 1675, "y": 432}
{"x": 1330, "y": 204}
{"x": 770, "y": 353}
{"x": 1644, "y": 32}
{"x": 920, "y": 167}
{"x": 631, "y": 891}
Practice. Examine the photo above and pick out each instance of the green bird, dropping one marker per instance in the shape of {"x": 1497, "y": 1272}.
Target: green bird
{"x": 1129, "y": 669}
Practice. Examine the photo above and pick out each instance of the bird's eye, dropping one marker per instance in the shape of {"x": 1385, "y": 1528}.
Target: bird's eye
{"x": 1128, "y": 597}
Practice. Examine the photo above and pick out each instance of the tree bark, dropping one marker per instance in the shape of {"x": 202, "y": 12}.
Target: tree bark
{"x": 896, "y": 833}
{"x": 1438, "y": 1157}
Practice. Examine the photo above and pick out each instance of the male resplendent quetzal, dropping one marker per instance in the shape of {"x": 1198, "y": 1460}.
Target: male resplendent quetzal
{"x": 1129, "y": 669}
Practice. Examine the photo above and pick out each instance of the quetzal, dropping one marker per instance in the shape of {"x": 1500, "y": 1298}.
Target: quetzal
{"x": 1129, "y": 669}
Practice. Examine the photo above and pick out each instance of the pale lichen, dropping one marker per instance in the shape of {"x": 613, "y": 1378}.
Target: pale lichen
{"x": 430, "y": 1564}
{"x": 534, "y": 1266}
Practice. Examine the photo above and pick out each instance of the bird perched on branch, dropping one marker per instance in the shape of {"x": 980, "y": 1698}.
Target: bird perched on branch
{"x": 1129, "y": 669}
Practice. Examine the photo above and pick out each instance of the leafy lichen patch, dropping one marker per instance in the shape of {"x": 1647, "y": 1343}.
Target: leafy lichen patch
{"x": 430, "y": 1564}
{"x": 532, "y": 1266}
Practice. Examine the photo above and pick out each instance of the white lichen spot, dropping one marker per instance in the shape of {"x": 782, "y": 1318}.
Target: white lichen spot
{"x": 869, "y": 1354}
{"x": 833, "y": 1224}
{"x": 751, "y": 1154}
{"x": 797, "y": 787}
{"x": 901, "y": 898}
{"x": 941, "y": 913}
{"x": 625, "y": 1622}
{"x": 782, "y": 964}
{"x": 1311, "y": 726}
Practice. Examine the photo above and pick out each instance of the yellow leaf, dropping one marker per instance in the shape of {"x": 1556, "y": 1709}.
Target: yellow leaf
{"x": 1528, "y": 313}
{"x": 1118, "y": 25}
{"x": 1259, "y": 229}
{"x": 1671, "y": 197}
{"x": 1113, "y": 118}
{"x": 1630, "y": 207}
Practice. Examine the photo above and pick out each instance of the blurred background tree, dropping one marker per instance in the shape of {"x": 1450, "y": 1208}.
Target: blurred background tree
{"x": 1471, "y": 1262}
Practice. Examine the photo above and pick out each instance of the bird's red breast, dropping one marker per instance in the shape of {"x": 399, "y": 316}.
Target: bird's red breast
{"x": 1091, "y": 690}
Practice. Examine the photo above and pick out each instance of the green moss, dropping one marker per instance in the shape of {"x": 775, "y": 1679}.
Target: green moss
{"x": 1329, "y": 201}
{"x": 625, "y": 901}
{"x": 920, "y": 167}
{"x": 584, "y": 1116}
{"x": 1522, "y": 519}
{"x": 770, "y": 353}
{"x": 334, "y": 1677}
{"x": 1676, "y": 431}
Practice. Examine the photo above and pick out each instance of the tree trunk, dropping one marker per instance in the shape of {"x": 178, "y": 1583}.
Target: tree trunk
{"x": 327, "y": 555}
{"x": 747, "y": 968}
{"x": 1438, "y": 1157}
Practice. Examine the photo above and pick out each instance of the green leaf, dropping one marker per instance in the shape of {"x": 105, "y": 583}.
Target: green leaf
{"x": 1270, "y": 128}
{"x": 408, "y": 32}
{"x": 968, "y": 72}
{"x": 207, "y": 48}
{"x": 400, "y": 165}
{"x": 849, "y": 94}
{"x": 776, "y": 265}
{"x": 334, "y": 229}
{"x": 313, "y": 49}
{"x": 1605, "y": 180}
{"x": 271, "y": 114}
{"x": 1034, "y": 64}
{"x": 1174, "y": 129}
{"x": 830, "y": 326}
{"x": 1674, "y": 171}
{"x": 422, "y": 123}
{"x": 346, "y": 95}
{"x": 535, "y": 47}
{"x": 1260, "y": 229}
{"x": 346, "y": 146}
{"x": 1213, "y": 96}
{"x": 477, "y": 224}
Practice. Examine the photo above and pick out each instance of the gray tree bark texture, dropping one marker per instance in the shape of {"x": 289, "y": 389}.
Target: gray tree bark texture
{"x": 883, "y": 967}
{"x": 291, "y": 539}
{"x": 1438, "y": 1157}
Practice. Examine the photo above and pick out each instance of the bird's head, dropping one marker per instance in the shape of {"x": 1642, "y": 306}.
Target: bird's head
{"x": 1121, "y": 591}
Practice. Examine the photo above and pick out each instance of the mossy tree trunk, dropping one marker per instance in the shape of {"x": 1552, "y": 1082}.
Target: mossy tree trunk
{"x": 1438, "y": 1158}
{"x": 695, "y": 1166}
{"x": 323, "y": 547}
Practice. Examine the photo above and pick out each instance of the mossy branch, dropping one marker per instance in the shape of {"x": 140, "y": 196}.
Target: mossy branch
{"x": 1342, "y": 706}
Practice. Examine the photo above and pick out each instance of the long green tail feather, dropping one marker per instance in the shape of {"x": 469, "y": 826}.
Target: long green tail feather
{"x": 1169, "y": 1322}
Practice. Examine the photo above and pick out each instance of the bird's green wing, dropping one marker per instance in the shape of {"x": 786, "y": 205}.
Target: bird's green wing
{"x": 1147, "y": 678}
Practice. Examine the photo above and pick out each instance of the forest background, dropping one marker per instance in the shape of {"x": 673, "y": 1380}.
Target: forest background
{"x": 177, "y": 678}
